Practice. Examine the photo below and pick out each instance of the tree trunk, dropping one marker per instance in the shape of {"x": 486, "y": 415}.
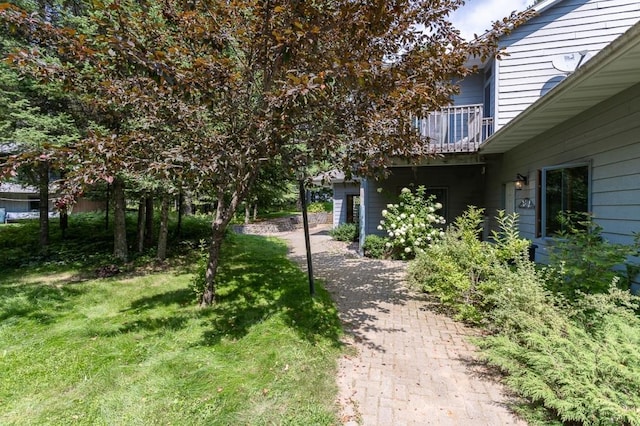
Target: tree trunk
{"x": 164, "y": 228}
{"x": 255, "y": 211}
{"x": 180, "y": 212}
{"x": 64, "y": 221}
{"x": 187, "y": 204}
{"x": 148, "y": 232}
{"x": 247, "y": 213}
{"x": 43, "y": 183}
{"x": 141, "y": 225}
{"x": 224, "y": 213}
{"x": 218, "y": 227}
{"x": 209, "y": 295}
{"x": 119, "y": 221}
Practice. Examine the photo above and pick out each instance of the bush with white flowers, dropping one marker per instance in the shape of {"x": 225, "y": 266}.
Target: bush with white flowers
{"x": 412, "y": 223}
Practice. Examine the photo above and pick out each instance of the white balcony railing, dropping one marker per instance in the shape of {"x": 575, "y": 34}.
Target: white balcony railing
{"x": 455, "y": 129}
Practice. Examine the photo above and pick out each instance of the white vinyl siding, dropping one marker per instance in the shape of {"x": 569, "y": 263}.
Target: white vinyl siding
{"x": 569, "y": 26}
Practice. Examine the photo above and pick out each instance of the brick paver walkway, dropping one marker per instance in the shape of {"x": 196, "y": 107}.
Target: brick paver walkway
{"x": 411, "y": 365}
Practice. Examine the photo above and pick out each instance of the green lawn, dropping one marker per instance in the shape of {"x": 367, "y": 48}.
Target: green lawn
{"x": 135, "y": 348}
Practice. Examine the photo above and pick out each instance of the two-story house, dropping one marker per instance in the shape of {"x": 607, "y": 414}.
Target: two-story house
{"x": 562, "y": 96}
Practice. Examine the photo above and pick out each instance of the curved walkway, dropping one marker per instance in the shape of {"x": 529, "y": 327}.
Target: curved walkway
{"x": 411, "y": 365}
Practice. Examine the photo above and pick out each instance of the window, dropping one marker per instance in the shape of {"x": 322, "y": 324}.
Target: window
{"x": 564, "y": 189}
{"x": 34, "y": 205}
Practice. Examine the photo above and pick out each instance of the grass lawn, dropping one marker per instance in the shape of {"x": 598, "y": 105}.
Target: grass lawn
{"x": 135, "y": 348}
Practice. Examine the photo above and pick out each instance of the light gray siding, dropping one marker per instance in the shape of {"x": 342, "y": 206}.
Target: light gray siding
{"x": 607, "y": 137}
{"x": 340, "y": 193}
{"x": 471, "y": 90}
{"x": 568, "y": 27}
{"x": 463, "y": 183}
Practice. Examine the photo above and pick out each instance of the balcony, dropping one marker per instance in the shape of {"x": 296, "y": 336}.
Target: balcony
{"x": 455, "y": 129}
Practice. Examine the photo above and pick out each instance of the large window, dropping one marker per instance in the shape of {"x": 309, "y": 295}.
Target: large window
{"x": 564, "y": 189}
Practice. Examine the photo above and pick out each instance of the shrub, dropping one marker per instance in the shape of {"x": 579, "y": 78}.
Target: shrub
{"x": 460, "y": 270}
{"x": 574, "y": 358}
{"x": 375, "y": 246}
{"x": 583, "y": 261}
{"x": 578, "y": 361}
{"x": 320, "y": 207}
{"x": 411, "y": 223}
{"x": 455, "y": 269}
{"x": 345, "y": 232}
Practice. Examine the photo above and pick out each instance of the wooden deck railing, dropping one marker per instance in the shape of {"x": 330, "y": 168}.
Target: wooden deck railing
{"x": 455, "y": 129}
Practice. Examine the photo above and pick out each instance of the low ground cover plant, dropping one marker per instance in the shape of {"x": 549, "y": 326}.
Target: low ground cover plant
{"x": 572, "y": 354}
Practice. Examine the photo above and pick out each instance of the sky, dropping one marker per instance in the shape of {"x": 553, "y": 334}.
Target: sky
{"x": 476, "y": 16}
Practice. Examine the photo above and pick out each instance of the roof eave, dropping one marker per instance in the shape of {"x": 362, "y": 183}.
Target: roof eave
{"x": 582, "y": 90}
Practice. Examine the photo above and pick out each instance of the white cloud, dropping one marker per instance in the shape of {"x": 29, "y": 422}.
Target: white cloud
{"x": 476, "y": 16}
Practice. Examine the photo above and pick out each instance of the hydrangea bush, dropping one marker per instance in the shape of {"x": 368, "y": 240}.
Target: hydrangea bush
{"x": 412, "y": 223}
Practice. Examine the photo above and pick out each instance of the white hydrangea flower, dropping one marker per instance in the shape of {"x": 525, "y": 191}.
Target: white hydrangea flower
{"x": 391, "y": 234}
{"x": 396, "y": 206}
{"x": 387, "y": 245}
{"x": 407, "y": 249}
{"x": 403, "y": 216}
{"x": 431, "y": 209}
{"x": 438, "y": 206}
{"x": 412, "y": 216}
{"x": 402, "y": 240}
{"x": 393, "y": 226}
{"x": 441, "y": 233}
{"x": 405, "y": 190}
{"x": 379, "y": 227}
{"x": 389, "y": 206}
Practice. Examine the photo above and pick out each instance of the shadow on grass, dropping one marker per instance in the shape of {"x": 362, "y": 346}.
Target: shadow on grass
{"x": 38, "y": 301}
{"x": 255, "y": 282}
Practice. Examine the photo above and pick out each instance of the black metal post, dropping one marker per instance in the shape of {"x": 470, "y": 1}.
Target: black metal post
{"x": 307, "y": 240}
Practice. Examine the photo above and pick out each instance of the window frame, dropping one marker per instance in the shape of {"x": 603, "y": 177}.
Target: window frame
{"x": 542, "y": 193}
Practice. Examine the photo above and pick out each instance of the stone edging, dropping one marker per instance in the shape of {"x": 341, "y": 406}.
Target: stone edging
{"x": 285, "y": 224}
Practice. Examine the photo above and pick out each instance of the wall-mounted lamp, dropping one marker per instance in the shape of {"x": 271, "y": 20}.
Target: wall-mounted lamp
{"x": 521, "y": 181}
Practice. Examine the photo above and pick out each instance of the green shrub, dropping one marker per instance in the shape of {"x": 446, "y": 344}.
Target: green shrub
{"x": 345, "y": 232}
{"x": 583, "y": 261}
{"x": 573, "y": 357}
{"x": 320, "y": 207}
{"x": 578, "y": 361}
{"x": 460, "y": 270}
{"x": 411, "y": 223}
{"x": 376, "y": 247}
{"x": 455, "y": 269}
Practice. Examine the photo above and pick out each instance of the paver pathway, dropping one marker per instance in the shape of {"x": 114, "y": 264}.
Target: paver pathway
{"x": 412, "y": 365}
